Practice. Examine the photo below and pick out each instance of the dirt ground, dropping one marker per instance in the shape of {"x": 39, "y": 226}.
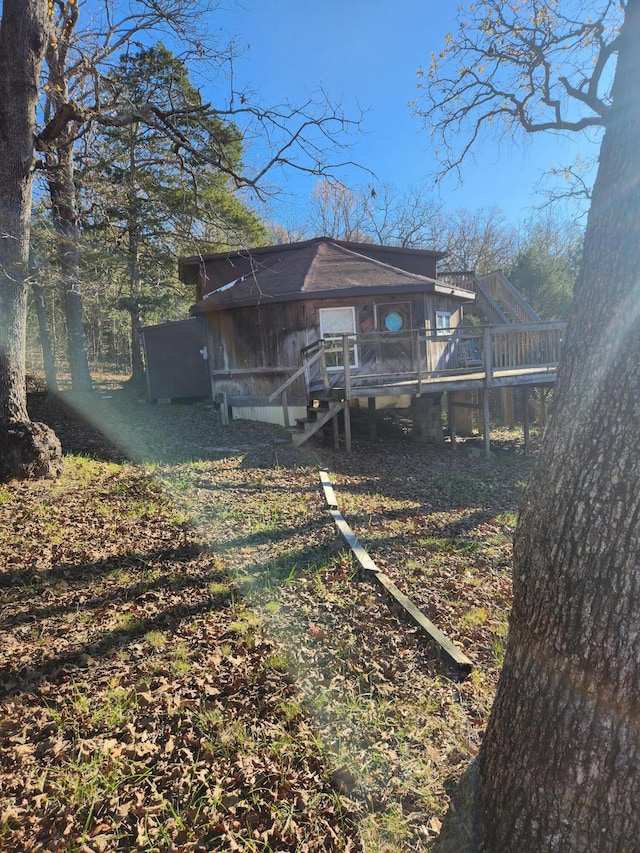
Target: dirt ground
{"x": 189, "y": 660}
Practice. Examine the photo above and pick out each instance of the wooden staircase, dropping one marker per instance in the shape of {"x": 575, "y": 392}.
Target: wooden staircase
{"x": 320, "y": 410}
{"x": 499, "y": 302}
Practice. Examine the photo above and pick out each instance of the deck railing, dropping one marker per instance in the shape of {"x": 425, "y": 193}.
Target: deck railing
{"x": 417, "y": 356}
{"x": 386, "y": 360}
{"x": 527, "y": 345}
{"x": 311, "y": 355}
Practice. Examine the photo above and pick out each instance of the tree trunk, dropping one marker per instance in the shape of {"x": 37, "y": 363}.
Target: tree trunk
{"x": 133, "y": 229}
{"x": 26, "y": 449}
{"x": 63, "y": 204}
{"x": 48, "y": 359}
{"x": 560, "y": 763}
{"x": 137, "y": 365}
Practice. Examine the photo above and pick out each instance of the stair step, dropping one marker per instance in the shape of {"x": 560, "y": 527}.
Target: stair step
{"x": 317, "y": 417}
{"x": 326, "y": 398}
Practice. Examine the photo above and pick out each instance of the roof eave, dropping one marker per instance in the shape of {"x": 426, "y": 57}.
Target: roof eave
{"x": 209, "y": 304}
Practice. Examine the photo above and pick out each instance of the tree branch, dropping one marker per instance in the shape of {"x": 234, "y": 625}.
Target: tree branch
{"x": 513, "y": 67}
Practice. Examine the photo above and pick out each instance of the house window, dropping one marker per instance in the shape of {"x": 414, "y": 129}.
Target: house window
{"x": 334, "y": 323}
{"x": 393, "y": 316}
{"x": 393, "y": 321}
{"x": 443, "y": 322}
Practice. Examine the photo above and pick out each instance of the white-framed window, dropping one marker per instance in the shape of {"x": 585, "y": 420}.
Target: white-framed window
{"x": 443, "y": 322}
{"x": 334, "y": 323}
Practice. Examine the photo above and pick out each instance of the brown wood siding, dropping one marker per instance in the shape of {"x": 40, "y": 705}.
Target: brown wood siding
{"x": 439, "y": 302}
{"x": 262, "y": 345}
{"x": 259, "y": 345}
{"x": 389, "y": 355}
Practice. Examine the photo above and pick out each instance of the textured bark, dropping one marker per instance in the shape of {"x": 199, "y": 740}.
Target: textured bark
{"x": 133, "y": 230}
{"x": 24, "y": 29}
{"x": 62, "y": 192}
{"x": 560, "y": 763}
{"x": 48, "y": 358}
{"x": 29, "y": 451}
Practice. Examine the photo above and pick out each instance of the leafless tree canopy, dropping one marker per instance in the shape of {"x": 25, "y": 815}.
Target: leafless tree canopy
{"x": 312, "y": 137}
{"x": 512, "y": 67}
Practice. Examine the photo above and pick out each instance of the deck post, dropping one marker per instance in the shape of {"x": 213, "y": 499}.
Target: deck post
{"x": 487, "y": 356}
{"x": 451, "y": 404}
{"x": 485, "y": 424}
{"x": 418, "y": 360}
{"x": 543, "y": 408}
{"x": 371, "y": 409}
{"x": 347, "y": 392}
{"x": 347, "y": 427}
{"x": 323, "y": 370}
{"x": 224, "y": 408}
{"x": 285, "y": 410}
{"x": 525, "y": 416}
{"x": 347, "y": 367}
{"x": 335, "y": 428}
{"x": 508, "y": 413}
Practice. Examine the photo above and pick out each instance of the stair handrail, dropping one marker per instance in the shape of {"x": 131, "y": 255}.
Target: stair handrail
{"x": 482, "y": 291}
{"x": 281, "y": 391}
{"x": 525, "y": 313}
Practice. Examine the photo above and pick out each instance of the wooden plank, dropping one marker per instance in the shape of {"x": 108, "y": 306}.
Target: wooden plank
{"x": 371, "y": 419}
{"x": 350, "y": 538}
{"x": 448, "y": 652}
{"x": 299, "y": 438}
{"x": 347, "y": 426}
{"x": 249, "y": 371}
{"x": 485, "y": 423}
{"x": 329, "y": 494}
{"x": 455, "y": 405}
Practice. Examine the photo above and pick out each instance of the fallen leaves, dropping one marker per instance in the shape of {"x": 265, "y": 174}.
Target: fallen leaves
{"x": 189, "y": 661}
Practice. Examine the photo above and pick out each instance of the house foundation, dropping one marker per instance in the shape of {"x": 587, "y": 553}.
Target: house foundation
{"x": 426, "y": 415}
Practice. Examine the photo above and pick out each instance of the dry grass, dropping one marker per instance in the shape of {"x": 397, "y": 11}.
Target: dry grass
{"x": 189, "y": 660}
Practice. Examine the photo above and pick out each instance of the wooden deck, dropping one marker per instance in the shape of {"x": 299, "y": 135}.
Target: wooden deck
{"x": 509, "y": 355}
{"x": 458, "y": 381}
{"x": 417, "y": 365}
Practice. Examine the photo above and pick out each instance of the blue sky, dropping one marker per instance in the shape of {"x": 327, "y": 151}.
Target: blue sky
{"x": 366, "y": 52}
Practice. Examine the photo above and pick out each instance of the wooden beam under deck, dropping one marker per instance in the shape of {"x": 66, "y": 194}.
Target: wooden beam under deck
{"x": 469, "y": 381}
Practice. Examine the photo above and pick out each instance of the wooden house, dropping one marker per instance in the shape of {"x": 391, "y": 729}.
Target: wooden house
{"x": 265, "y": 308}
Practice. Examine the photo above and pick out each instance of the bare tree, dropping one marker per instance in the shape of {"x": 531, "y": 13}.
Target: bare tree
{"x": 377, "y": 213}
{"x": 301, "y": 137}
{"x": 558, "y": 767}
{"x": 82, "y": 89}
{"x": 480, "y": 240}
{"x": 57, "y": 147}
{"x": 412, "y": 219}
{"x": 26, "y": 449}
{"x": 339, "y": 212}
{"x": 514, "y": 68}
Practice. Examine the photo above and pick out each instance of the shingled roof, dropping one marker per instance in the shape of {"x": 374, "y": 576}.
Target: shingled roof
{"x": 320, "y": 269}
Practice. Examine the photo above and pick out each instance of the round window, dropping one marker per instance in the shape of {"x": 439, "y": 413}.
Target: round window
{"x": 393, "y": 321}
